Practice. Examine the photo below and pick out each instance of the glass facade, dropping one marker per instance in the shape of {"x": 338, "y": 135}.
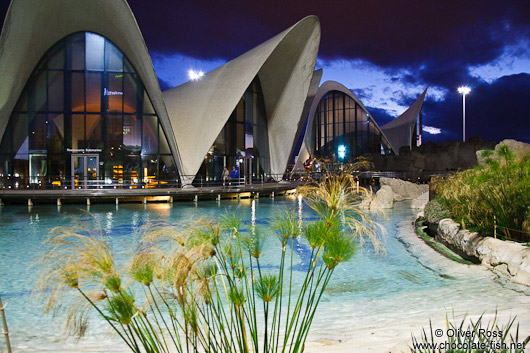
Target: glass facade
{"x": 243, "y": 142}
{"x": 343, "y": 130}
{"x": 84, "y": 119}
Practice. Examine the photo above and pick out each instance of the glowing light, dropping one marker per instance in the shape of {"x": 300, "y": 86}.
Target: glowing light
{"x": 195, "y": 75}
{"x": 432, "y": 130}
{"x": 342, "y": 151}
{"x": 464, "y": 90}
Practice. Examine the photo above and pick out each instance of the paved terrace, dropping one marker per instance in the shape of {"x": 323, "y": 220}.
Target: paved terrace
{"x": 145, "y": 195}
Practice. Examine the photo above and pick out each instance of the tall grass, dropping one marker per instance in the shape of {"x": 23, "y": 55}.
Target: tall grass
{"x": 202, "y": 287}
{"x": 494, "y": 195}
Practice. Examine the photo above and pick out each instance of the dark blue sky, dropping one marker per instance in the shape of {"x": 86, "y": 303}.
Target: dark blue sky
{"x": 386, "y": 52}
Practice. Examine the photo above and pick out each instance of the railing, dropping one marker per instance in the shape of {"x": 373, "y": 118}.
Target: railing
{"x": 4, "y": 324}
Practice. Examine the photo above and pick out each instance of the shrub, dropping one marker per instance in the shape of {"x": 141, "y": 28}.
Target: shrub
{"x": 435, "y": 211}
{"x": 494, "y": 195}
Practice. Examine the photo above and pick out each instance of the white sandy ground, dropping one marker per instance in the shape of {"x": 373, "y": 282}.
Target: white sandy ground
{"x": 396, "y": 336}
{"x": 388, "y": 331}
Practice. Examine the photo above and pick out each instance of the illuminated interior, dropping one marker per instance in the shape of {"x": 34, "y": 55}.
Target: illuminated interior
{"x": 343, "y": 130}
{"x": 84, "y": 119}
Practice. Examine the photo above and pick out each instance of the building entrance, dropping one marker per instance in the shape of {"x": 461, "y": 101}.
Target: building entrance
{"x": 85, "y": 170}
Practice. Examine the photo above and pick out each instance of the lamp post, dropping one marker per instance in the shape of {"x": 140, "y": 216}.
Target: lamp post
{"x": 463, "y": 90}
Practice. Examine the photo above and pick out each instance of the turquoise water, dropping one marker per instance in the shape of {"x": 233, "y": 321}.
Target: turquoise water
{"x": 371, "y": 290}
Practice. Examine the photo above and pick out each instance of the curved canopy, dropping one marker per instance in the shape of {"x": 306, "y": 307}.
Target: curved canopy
{"x": 284, "y": 64}
{"x": 399, "y": 131}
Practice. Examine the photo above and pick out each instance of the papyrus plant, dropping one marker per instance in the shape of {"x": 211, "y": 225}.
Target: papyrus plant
{"x": 202, "y": 287}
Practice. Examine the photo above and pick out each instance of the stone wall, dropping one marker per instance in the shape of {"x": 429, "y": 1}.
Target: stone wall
{"x": 444, "y": 156}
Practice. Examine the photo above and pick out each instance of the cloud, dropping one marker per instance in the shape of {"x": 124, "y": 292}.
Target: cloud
{"x": 432, "y": 130}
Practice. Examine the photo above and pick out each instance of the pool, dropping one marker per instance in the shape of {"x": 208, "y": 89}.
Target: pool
{"x": 372, "y": 293}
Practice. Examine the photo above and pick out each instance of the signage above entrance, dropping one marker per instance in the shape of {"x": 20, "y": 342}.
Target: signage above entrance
{"x": 83, "y": 150}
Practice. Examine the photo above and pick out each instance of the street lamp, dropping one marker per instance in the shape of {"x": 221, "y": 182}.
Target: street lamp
{"x": 463, "y": 90}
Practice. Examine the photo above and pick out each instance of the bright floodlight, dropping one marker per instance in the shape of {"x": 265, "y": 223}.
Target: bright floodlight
{"x": 342, "y": 151}
{"x": 464, "y": 90}
{"x": 195, "y": 75}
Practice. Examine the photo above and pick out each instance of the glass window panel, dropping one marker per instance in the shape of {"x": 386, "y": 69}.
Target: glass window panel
{"x": 37, "y": 132}
{"x": 38, "y": 168}
{"x": 20, "y": 134}
{"x": 55, "y": 91}
{"x": 55, "y": 133}
{"x": 132, "y": 134}
{"x": 78, "y": 131}
{"x": 77, "y": 51}
{"x": 150, "y": 169}
{"x": 93, "y": 131}
{"x": 127, "y": 66}
{"x": 240, "y": 111}
{"x": 94, "y": 51}
{"x": 240, "y": 137}
{"x": 163, "y": 145}
{"x": 93, "y": 94}
{"x": 22, "y": 104}
{"x": 340, "y": 129}
{"x": 56, "y": 170}
{"x": 131, "y": 169}
{"x": 20, "y": 169}
{"x": 150, "y": 133}
{"x": 78, "y": 92}
{"x": 114, "y": 134}
{"x": 148, "y": 107}
{"x": 114, "y": 92}
{"x": 40, "y": 92}
{"x": 130, "y": 91}
{"x": 113, "y": 57}
{"x": 167, "y": 171}
{"x": 56, "y": 59}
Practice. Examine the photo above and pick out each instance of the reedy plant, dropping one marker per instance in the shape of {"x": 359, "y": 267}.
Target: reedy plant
{"x": 201, "y": 287}
{"x": 497, "y": 193}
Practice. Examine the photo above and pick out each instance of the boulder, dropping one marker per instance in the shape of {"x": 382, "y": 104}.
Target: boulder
{"x": 506, "y": 257}
{"x": 519, "y": 149}
{"x": 384, "y": 198}
{"x": 419, "y": 202}
{"x": 405, "y": 189}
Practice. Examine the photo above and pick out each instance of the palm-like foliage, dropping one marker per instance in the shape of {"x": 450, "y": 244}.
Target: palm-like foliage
{"x": 201, "y": 286}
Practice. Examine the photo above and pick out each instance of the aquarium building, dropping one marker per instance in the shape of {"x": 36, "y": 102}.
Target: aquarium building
{"x": 81, "y": 107}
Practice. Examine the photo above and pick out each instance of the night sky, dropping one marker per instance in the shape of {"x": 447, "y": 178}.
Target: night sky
{"x": 385, "y": 51}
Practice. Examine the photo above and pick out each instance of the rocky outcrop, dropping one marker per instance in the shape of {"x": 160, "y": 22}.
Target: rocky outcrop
{"x": 384, "y": 198}
{"x": 419, "y": 202}
{"x": 519, "y": 149}
{"x": 405, "y": 190}
{"x": 509, "y": 258}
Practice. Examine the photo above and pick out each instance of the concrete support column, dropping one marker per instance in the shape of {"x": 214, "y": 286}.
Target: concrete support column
{"x": 171, "y": 199}
{"x": 117, "y": 201}
{"x": 59, "y": 203}
{"x": 218, "y": 198}
{"x": 256, "y": 195}
{"x": 196, "y": 198}
{"x": 88, "y": 201}
{"x": 30, "y": 203}
{"x": 145, "y": 199}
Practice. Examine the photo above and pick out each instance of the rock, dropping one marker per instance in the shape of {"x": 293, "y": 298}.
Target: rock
{"x": 384, "y": 198}
{"x": 405, "y": 189}
{"x": 509, "y": 258}
{"x": 419, "y": 202}
{"x": 519, "y": 149}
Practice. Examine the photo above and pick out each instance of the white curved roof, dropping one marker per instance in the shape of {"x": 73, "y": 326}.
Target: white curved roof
{"x": 305, "y": 150}
{"x": 198, "y": 110}
{"x": 32, "y": 27}
{"x": 399, "y": 131}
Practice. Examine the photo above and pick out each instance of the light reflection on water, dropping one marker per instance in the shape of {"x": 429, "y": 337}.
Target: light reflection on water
{"x": 369, "y": 290}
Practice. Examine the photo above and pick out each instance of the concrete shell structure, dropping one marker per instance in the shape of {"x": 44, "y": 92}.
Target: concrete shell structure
{"x": 401, "y": 131}
{"x": 191, "y": 115}
{"x": 32, "y": 27}
{"x": 306, "y": 149}
{"x": 198, "y": 110}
